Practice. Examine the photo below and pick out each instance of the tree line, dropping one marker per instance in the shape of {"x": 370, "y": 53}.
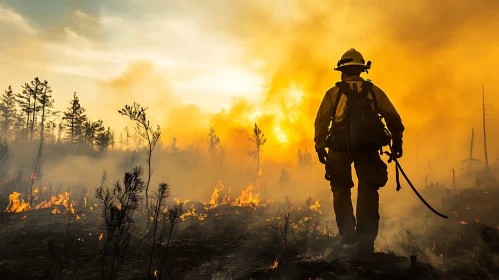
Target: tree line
{"x": 30, "y": 115}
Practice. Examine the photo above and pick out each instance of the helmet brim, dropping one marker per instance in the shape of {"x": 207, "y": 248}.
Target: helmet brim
{"x": 364, "y": 66}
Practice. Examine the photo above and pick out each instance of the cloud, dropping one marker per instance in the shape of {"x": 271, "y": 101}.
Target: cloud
{"x": 13, "y": 19}
{"x": 74, "y": 38}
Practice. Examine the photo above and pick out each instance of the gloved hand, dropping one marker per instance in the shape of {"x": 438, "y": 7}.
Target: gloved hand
{"x": 322, "y": 153}
{"x": 397, "y": 147}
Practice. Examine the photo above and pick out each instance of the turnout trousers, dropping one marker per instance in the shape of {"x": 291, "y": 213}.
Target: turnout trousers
{"x": 372, "y": 174}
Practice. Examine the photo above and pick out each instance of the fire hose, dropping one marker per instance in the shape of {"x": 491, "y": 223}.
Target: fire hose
{"x": 398, "y": 168}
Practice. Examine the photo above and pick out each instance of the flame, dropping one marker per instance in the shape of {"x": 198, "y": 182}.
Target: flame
{"x": 44, "y": 190}
{"x": 316, "y": 207}
{"x": 226, "y": 198}
{"x": 464, "y": 223}
{"x": 214, "y": 197}
{"x": 275, "y": 265}
{"x": 35, "y": 191}
{"x": 156, "y": 274}
{"x": 192, "y": 213}
{"x": 248, "y": 197}
{"x": 101, "y": 236}
{"x": 17, "y": 205}
{"x": 85, "y": 201}
{"x": 378, "y": 250}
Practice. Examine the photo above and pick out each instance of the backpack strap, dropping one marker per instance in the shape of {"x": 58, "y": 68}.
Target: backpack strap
{"x": 343, "y": 88}
{"x": 367, "y": 87}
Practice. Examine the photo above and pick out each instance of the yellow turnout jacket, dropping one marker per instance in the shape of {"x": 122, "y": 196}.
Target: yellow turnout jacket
{"x": 385, "y": 108}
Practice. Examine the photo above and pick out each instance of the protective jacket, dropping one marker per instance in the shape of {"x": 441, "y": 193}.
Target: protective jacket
{"x": 325, "y": 120}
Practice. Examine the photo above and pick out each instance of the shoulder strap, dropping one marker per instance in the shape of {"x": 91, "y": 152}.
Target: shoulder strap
{"x": 367, "y": 87}
{"x": 343, "y": 88}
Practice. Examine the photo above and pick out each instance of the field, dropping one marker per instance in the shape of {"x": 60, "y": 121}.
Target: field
{"x": 247, "y": 238}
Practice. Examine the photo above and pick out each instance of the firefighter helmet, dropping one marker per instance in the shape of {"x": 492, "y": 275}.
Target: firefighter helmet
{"x": 353, "y": 58}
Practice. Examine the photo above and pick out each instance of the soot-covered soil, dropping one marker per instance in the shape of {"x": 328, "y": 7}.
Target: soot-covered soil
{"x": 249, "y": 243}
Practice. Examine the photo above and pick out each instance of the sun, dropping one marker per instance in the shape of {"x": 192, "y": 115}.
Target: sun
{"x": 280, "y": 135}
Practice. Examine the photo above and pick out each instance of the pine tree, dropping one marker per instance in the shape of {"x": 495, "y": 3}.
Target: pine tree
{"x": 304, "y": 158}
{"x": 19, "y": 125}
{"x": 92, "y": 130}
{"x": 121, "y": 140}
{"x": 7, "y": 112}
{"x": 75, "y": 118}
{"x": 111, "y": 135}
{"x": 258, "y": 138}
{"x": 50, "y": 127}
{"x": 37, "y": 89}
{"x": 60, "y": 130}
{"x": 127, "y": 137}
{"x": 213, "y": 142}
{"x": 104, "y": 139}
{"x": 173, "y": 145}
{"x": 24, "y": 101}
{"x": 46, "y": 105}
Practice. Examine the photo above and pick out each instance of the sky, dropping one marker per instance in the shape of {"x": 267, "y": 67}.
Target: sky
{"x": 82, "y": 43}
{"x": 229, "y": 64}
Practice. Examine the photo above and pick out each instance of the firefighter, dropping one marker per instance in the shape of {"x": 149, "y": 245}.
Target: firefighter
{"x": 351, "y": 139}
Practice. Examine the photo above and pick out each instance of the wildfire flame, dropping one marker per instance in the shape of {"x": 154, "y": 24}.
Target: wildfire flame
{"x": 464, "y": 223}
{"x": 17, "y": 205}
{"x": 316, "y": 207}
{"x": 249, "y": 197}
{"x": 214, "y": 197}
{"x": 35, "y": 191}
{"x": 275, "y": 265}
{"x": 226, "y": 198}
{"x": 192, "y": 213}
{"x": 101, "y": 236}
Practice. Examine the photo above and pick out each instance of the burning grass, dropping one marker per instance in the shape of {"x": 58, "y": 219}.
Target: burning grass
{"x": 243, "y": 238}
